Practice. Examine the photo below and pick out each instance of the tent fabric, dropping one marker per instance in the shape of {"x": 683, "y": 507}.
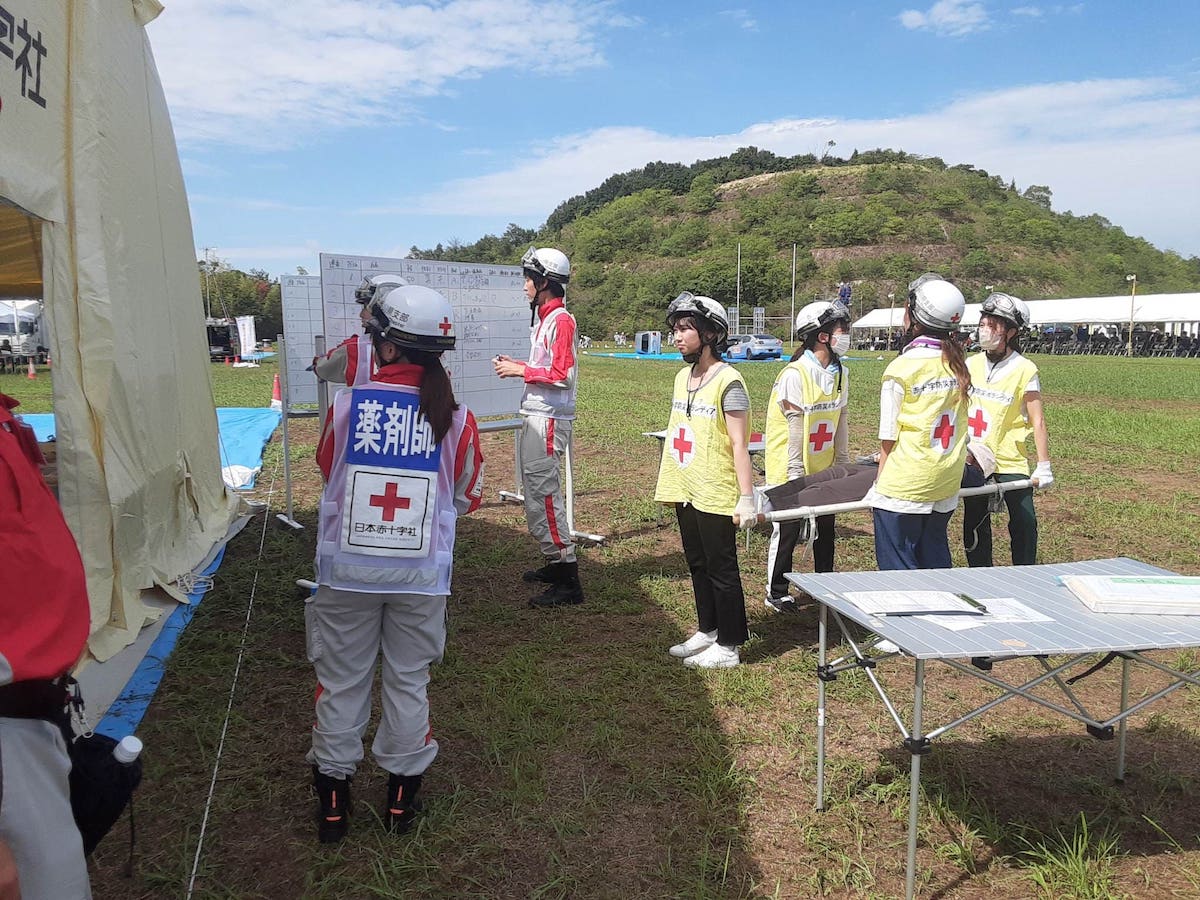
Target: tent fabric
{"x": 1075, "y": 310}
{"x": 89, "y": 162}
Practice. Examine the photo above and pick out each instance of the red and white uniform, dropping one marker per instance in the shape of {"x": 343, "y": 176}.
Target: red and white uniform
{"x": 548, "y": 407}
{"x": 350, "y": 362}
{"x": 384, "y": 556}
{"x": 44, "y": 620}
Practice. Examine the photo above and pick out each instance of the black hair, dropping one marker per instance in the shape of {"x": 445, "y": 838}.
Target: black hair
{"x": 437, "y": 394}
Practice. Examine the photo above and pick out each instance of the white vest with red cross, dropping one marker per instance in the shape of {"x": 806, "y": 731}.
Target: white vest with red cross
{"x": 697, "y": 459}
{"x": 387, "y": 516}
{"x": 555, "y": 401}
{"x": 926, "y": 464}
{"x": 823, "y": 410}
{"x": 996, "y": 414}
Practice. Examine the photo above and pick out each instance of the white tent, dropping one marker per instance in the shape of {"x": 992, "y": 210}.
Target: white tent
{"x": 94, "y": 220}
{"x": 1074, "y": 310}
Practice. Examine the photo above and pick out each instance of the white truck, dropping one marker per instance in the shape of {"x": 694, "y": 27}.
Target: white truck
{"x": 21, "y": 332}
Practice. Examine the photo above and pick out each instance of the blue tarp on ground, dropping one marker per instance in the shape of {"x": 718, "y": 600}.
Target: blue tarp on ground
{"x": 244, "y": 433}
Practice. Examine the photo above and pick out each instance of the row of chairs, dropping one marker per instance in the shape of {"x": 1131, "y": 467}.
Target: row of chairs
{"x": 1145, "y": 343}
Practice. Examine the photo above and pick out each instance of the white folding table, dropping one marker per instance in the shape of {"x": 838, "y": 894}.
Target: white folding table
{"x": 1073, "y": 638}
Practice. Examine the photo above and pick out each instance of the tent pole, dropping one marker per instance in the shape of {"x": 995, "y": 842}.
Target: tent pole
{"x": 287, "y": 456}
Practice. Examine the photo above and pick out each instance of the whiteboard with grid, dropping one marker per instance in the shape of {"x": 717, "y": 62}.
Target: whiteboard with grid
{"x": 302, "y": 322}
{"x": 491, "y": 316}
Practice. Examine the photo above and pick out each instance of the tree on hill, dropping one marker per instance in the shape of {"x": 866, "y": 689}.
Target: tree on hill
{"x": 644, "y": 235}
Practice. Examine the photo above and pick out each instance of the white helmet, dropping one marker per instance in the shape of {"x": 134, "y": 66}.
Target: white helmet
{"x": 706, "y": 308}
{"x": 413, "y": 317}
{"x": 548, "y": 263}
{"x": 937, "y": 304}
{"x": 818, "y": 314}
{"x": 365, "y": 291}
{"x": 1007, "y": 307}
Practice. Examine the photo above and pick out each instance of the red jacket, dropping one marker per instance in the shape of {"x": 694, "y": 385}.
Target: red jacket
{"x": 468, "y": 456}
{"x": 44, "y": 613}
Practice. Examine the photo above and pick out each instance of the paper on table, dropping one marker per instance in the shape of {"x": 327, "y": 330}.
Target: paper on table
{"x": 908, "y": 603}
{"x": 1000, "y": 610}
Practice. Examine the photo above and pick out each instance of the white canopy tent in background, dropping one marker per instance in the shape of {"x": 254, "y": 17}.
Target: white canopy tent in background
{"x": 1158, "y": 308}
{"x": 94, "y": 220}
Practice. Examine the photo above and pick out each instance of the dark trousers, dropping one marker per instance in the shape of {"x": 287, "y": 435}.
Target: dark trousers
{"x": 789, "y": 536}
{"x": 977, "y": 522}
{"x": 911, "y": 540}
{"x": 710, "y": 548}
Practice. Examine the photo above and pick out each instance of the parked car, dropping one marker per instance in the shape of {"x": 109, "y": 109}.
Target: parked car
{"x": 754, "y": 346}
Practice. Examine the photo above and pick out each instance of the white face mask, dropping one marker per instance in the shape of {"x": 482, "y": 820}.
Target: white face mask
{"x": 990, "y": 340}
{"x": 840, "y": 343}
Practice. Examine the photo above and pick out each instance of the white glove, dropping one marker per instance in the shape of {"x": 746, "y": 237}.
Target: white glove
{"x": 745, "y": 515}
{"x": 1042, "y": 476}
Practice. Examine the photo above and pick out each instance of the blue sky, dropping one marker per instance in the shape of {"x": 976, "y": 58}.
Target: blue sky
{"x": 368, "y": 126}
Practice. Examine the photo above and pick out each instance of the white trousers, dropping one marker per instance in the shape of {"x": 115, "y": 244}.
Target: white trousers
{"x": 346, "y": 631}
{"x": 543, "y": 445}
{"x": 35, "y": 811}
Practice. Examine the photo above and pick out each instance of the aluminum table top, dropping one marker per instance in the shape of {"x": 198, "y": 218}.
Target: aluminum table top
{"x": 1075, "y": 629}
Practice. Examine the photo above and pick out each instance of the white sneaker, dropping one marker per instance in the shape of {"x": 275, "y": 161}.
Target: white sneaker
{"x": 699, "y": 641}
{"x": 715, "y": 657}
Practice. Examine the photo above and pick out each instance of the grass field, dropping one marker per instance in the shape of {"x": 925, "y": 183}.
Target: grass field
{"x": 579, "y": 760}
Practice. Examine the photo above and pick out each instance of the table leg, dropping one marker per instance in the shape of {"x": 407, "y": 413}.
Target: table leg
{"x": 1124, "y": 721}
{"x": 822, "y": 652}
{"x": 914, "y": 778}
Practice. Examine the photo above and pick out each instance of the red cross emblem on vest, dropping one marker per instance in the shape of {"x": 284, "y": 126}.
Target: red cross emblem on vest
{"x": 820, "y": 437}
{"x": 943, "y": 432}
{"x": 390, "y": 501}
{"x": 977, "y": 423}
{"x": 683, "y": 444}
{"x": 446, "y": 325}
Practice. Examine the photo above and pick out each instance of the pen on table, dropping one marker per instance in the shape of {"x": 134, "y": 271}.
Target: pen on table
{"x": 973, "y": 602}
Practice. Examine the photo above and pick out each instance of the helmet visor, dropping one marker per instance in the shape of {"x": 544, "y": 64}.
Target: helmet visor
{"x": 1003, "y": 306}
{"x": 531, "y": 262}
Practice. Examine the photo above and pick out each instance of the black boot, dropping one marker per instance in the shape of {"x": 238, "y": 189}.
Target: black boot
{"x": 547, "y": 574}
{"x": 566, "y": 589}
{"x": 333, "y": 816}
{"x": 401, "y": 807}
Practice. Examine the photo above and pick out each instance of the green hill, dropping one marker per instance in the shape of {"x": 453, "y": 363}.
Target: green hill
{"x": 877, "y": 219}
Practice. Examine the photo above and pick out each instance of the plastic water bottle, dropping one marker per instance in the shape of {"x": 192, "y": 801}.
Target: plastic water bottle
{"x": 127, "y": 750}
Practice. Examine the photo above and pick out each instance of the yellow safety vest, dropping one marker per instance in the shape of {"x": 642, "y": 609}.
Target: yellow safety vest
{"x": 995, "y": 412}
{"x": 697, "y": 457}
{"x": 822, "y": 414}
{"x": 926, "y": 464}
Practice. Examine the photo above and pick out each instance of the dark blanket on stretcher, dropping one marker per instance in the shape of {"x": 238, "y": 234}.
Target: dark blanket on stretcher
{"x": 837, "y": 484}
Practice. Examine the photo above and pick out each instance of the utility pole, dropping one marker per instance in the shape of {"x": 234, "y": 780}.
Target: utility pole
{"x": 1132, "y": 279}
{"x": 207, "y": 288}
{"x": 791, "y": 329}
{"x": 739, "y": 289}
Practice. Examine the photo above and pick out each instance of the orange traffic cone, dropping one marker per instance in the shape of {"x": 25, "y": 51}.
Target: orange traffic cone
{"x": 276, "y": 395}
{"x": 31, "y": 372}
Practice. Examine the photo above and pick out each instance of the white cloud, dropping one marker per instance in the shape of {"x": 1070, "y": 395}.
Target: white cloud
{"x": 954, "y": 18}
{"x": 242, "y": 256}
{"x": 1033, "y": 12}
{"x": 741, "y": 18}
{"x": 251, "y": 203}
{"x": 262, "y": 74}
{"x": 1077, "y": 137}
